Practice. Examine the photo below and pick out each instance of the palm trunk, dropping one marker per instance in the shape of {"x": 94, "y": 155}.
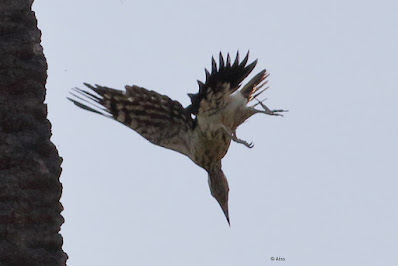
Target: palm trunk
{"x": 30, "y": 190}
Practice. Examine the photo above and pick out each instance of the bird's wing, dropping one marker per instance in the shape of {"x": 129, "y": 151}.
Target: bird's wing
{"x": 156, "y": 117}
{"x": 223, "y": 80}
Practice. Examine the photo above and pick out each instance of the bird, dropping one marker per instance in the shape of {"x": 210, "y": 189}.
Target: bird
{"x": 203, "y": 130}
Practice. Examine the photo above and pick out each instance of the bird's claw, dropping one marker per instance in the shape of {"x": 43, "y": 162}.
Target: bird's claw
{"x": 241, "y": 141}
{"x": 270, "y": 112}
{"x": 232, "y": 135}
{"x": 249, "y": 145}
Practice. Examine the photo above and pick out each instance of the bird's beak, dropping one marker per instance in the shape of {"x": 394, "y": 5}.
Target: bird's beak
{"x": 225, "y": 210}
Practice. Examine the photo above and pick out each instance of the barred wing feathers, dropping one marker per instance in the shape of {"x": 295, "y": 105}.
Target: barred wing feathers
{"x": 156, "y": 117}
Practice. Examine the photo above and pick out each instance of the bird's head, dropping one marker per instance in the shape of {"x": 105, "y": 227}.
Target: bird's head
{"x": 219, "y": 189}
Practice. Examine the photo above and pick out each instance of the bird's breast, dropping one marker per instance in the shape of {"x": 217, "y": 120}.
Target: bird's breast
{"x": 208, "y": 149}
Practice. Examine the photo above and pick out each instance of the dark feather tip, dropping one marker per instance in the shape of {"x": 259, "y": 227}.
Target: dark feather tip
{"x": 213, "y": 65}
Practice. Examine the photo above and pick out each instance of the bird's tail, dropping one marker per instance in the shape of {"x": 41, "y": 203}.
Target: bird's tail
{"x": 251, "y": 90}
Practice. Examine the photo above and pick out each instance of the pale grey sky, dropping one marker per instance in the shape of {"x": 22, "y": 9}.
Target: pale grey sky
{"x": 318, "y": 188}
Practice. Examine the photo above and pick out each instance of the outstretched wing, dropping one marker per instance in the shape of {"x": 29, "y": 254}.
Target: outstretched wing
{"x": 156, "y": 117}
{"x": 223, "y": 80}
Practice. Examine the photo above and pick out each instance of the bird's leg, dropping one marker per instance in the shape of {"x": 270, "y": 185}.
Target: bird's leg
{"x": 232, "y": 135}
{"x": 267, "y": 110}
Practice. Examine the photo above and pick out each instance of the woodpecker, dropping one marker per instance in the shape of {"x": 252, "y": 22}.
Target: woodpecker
{"x": 203, "y": 131}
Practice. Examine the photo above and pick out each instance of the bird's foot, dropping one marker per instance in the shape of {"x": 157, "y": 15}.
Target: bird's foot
{"x": 267, "y": 110}
{"x": 232, "y": 135}
{"x": 241, "y": 141}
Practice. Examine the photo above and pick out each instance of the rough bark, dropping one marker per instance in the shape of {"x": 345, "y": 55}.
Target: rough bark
{"x": 30, "y": 190}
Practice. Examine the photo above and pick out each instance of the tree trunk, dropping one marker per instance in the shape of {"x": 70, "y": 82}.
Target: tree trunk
{"x": 30, "y": 190}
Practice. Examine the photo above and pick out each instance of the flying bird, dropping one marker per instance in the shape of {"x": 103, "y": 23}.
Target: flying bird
{"x": 203, "y": 130}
